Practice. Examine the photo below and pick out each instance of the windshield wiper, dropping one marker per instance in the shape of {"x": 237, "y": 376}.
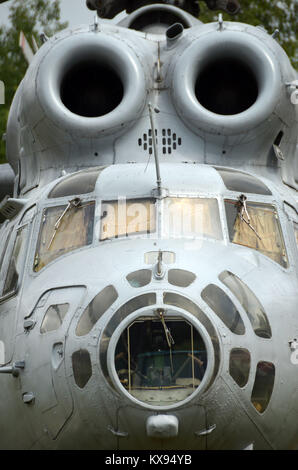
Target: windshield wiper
{"x": 242, "y": 212}
{"x": 72, "y": 203}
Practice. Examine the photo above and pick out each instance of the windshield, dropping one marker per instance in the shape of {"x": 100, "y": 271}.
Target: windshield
{"x": 127, "y": 217}
{"x": 64, "y": 229}
{"x": 182, "y": 217}
{"x": 191, "y": 217}
{"x": 256, "y": 226}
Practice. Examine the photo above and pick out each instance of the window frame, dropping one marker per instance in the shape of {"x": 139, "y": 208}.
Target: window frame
{"x": 46, "y": 204}
{"x": 264, "y": 201}
{"x": 159, "y": 233}
{"x": 14, "y": 230}
{"x": 6, "y": 250}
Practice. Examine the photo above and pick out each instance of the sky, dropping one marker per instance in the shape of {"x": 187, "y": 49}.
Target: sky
{"x": 73, "y": 11}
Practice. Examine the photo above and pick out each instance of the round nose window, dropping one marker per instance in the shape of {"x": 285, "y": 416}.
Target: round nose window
{"x": 160, "y": 361}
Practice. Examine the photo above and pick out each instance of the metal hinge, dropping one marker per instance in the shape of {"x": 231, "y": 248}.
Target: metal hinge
{"x": 14, "y": 370}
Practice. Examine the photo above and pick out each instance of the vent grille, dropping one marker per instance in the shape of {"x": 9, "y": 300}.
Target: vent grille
{"x": 167, "y": 140}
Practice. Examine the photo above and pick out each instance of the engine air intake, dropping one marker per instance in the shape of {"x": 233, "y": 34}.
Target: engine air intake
{"x": 91, "y": 85}
{"x": 226, "y": 83}
{"x": 91, "y": 89}
{"x": 226, "y": 86}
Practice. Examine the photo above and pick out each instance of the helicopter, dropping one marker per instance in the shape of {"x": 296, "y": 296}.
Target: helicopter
{"x": 149, "y": 233}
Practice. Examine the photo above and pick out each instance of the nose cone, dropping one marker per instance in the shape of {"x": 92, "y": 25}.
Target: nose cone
{"x": 163, "y": 341}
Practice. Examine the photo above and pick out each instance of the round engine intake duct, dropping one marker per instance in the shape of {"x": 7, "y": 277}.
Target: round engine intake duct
{"x": 227, "y": 82}
{"x": 227, "y": 86}
{"x": 90, "y": 89}
{"x": 91, "y": 84}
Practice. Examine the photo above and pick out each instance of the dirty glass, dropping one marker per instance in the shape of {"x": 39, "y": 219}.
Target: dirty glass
{"x": 82, "y": 368}
{"x": 239, "y": 366}
{"x": 263, "y": 386}
{"x": 177, "y": 300}
{"x": 126, "y": 309}
{"x": 191, "y": 217}
{"x": 249, "y": 302}
{"x": 59, "y": 234}
{"x": 16, "y": 261}
{"x": 180, "y": 277}
{"x": 156, "y": 371}
{"x": 139, "y": 278}
{"x": 5, "y": 248}
{"x": 238, "y": 181}
{"x": 82, "y": 182}
{"x": 264, "y": 232}
{"x": 54, "y": 317}
{"x": 127, "y": 217}
{"x": 96, "y": 309}
{"x": 224, "y": 308}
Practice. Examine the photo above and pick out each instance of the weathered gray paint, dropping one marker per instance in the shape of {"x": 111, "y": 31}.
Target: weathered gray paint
{"x": 50, "y": 410}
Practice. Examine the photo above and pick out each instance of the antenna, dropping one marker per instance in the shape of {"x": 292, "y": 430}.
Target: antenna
{"x": 158, "y": 178}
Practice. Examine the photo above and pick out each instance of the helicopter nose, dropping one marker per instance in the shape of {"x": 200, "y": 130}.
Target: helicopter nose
{"x": 159, "y": 350}
{"x": 157, "y": 364}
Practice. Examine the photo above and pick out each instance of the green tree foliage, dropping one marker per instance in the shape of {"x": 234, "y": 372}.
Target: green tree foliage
{"x": 31, "y": 17}
{"x": 272, "y": 15}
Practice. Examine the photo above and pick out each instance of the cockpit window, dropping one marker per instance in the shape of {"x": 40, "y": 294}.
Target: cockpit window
{"x": 158, "y": 369}
{"x": 64, "y": 229}
{"x": 6, "y": 243}
{"x": 249, "y": 302}
{"x": 82, "y": 182}
{"x": 180, "y": 277}
{"x": 54, "y": 317}
{"x": 139, "y": 278}
{"x": 16, "y": 261}
{"x": 127, "y": 217}
{"x": 224, "y": 308}
{"x": 191, "y": 217}
{"x": 263, "y": 386}
{"x": 240, "y": 366}
{"x": 256, "y": 226}
{"x": 96, "y": 309}
{"x": 242, "y": 182}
